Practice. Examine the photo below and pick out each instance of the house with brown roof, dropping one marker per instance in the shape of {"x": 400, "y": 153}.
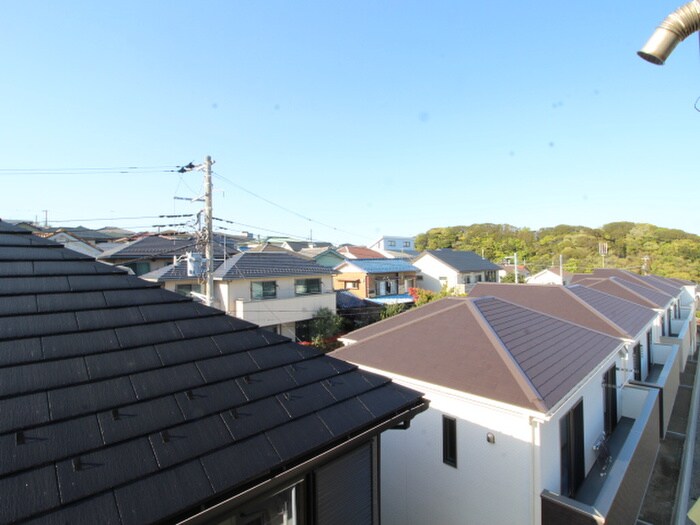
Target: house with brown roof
{"x": 359, "y": 252}
{"x": 674, "y": 300}
{"x": 533, "y": 418}
{"x": 648, "y": 361}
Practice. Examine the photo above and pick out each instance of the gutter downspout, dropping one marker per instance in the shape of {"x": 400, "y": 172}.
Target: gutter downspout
{"x": 677, "y": 26}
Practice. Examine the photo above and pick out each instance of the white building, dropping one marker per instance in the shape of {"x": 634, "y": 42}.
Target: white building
{"x": 279, "y": 291}
{"x": 454, "y": 269}
{"x": 521, "y": 404}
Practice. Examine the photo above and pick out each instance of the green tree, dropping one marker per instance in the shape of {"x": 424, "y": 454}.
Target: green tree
{"x": 390, "y": 310}
{"x": 325, "y": 325}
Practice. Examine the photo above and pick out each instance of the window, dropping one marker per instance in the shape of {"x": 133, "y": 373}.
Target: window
{"x": 307, "y": 286}
{"x": 187, "y": 289}
{"x": 406, "y": 244}
{"x": 610, "y": 400}
{"x": 263, "y": 290}
{"x": 351, "y": 285}
{"x": 391, "y": 243}
{"x": 571, "y": 443}
{"x": 286, "y": 507}
{"x": 449, "y": 441}
{"x": 139, "y": 268}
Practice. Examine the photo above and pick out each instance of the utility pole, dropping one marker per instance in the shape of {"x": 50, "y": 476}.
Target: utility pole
{"x": 561, "y": 268}
{"x": 208, "y": 232}
{"x": 515, "y": 266}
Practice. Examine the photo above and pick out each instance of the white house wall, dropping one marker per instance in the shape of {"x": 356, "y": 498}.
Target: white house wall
{"x": 431, "y": 270}
{"x": 418, "y": 488}
{"x": 286, "y": 307}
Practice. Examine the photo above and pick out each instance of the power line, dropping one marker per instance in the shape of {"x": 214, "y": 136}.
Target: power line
{"x": 284, "y": 208}
{"x": 114, "y": 169}
{"x": 142, "y": 217}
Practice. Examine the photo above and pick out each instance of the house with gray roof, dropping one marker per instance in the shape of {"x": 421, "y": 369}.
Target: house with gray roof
{"x": 152, "y": 252}
{"x": 278, "y": 290}
{"x": 533, "y": 418}
{"x": 454, "y": 269}
{"x": 382, "y": 281}
{"x": 126, "y": 404}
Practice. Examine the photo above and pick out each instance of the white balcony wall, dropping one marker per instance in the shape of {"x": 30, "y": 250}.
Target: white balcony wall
{"x": 279, "y": 311}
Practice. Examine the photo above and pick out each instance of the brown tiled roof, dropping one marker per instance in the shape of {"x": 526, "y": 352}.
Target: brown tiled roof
{"x": 631, "y": 317}
{"x": 486, "y": 347}
{"x": 359, "y": 252}
{"x": 618, "y": 289}
{"x": 556, "y": 301}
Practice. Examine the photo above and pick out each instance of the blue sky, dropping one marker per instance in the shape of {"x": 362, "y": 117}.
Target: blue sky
{"x": 347, "y": 120}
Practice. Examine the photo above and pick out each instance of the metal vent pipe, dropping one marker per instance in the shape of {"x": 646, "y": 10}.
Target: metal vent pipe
{"x": 677, "y": 26}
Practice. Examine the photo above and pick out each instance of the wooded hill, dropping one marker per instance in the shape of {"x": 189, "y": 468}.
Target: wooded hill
{"x": 632, "y": 246}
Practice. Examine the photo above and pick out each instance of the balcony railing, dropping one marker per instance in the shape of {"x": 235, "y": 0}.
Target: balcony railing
{"x": 616, "y": 496}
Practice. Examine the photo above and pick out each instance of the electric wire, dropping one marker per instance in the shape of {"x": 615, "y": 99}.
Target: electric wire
{"x": 284, "y": 208}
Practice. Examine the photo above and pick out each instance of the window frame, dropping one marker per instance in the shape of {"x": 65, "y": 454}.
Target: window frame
{"x": 263, "y": 296}
{"x": 297, "y": 286}
{"x": 449, "y": 441}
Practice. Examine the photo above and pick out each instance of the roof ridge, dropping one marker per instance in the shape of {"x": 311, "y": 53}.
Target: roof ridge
{"x": 521, "y": 378}
{"x": 595, "y": 312}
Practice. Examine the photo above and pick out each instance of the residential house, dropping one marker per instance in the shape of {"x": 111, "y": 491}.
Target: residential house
{"x": 382, "y": 281}
{"x": 297, "y": 246}
{"x": 672, "y": 299}
{"x": 551, "y": 275}
{"x": 327, "y": 257}
{"x": 509, "y": 269}
{"x": 648, "y": 361}
{"x": 123, "y": 403}
{"x": 152, "y": 252}
{"x": 515, "y": 433}
{"x": 454, "y": 269}
{"x": 359, "y": 252}
{"x": 279, "y": 291}
{"x": 388, "y": 243}
{"x": 75, "y": 243}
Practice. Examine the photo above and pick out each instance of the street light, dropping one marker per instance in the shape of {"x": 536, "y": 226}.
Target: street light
{"x": 677, "y": 26}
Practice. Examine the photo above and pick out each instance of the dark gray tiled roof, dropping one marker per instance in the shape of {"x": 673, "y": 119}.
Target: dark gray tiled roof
{"x": 631, "y": 317}
{"x": 258, "y": 265}
{"x": 486, "y": 347}
{"x": 154, "y": 246}
{"x": 124, "y": 403}
{"x": 300, "y": 245}
{"x": 462, "y": 261}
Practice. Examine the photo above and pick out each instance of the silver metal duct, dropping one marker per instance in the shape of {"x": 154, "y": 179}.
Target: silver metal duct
{"x": 683, "y": 22}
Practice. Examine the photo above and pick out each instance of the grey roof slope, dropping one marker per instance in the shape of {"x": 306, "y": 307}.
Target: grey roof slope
{"x": 123, "y": 403}
{"x": 658, "y": 298}
{"x": 629, "y": 316}
{"x": 557, "y": 301}
{"x": 462, "y": 261}
{"x": 258, "y": 265}
{"x": 486, "y": 347}
{"x": 155, "y": 246}
{"x": 651, "y": 281}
